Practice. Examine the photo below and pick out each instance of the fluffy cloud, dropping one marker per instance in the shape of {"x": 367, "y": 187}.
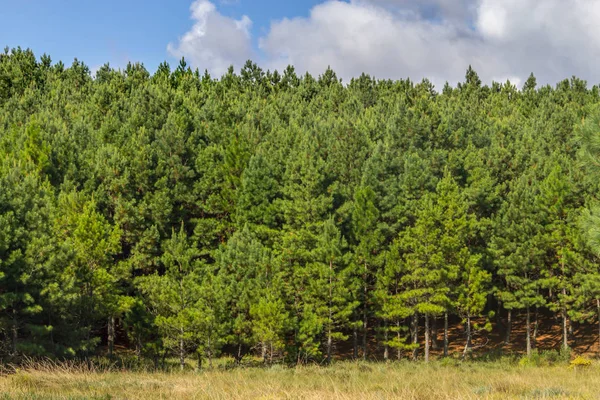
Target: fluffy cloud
{"x": 553, "y": 38}
{"x": 436, "y": 39}
{"x": 215, "y": 42}
{"x": 450, "y": 10}
{"x": 357, "y": 37}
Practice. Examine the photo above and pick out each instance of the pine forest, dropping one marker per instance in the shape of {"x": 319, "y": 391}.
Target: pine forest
{"x": 292, "y": 218}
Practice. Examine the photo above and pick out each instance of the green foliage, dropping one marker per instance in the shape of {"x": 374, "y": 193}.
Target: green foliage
{"x": 270, "y": 322}
{"x": 280, "y": 215}
{"x": 546, "y": 358}
{"x": 244, "y": 273}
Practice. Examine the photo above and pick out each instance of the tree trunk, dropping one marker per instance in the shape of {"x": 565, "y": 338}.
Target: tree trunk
{"x": 399, "y": 349}
{"x": 164, "y": 359}
{"x": 51, "y": 333}
{"x": 138, "y": 349}
{"x": 199, "y": 360}
{"x": 111, "y": 336}
{"x": 181, "y": 354}
{"x": 365, "y": 314}
{"x": 15, "y": 333}
{"x": 499, "y": 315}
{"x": 434, "y": 332}
{"x": 468, "y": 332}
{"x": 271, "y": 354}
{"x": 238, "y": 356}
{"x": 426, "y": 338}
{"x": 598, "y": 307}
{"x": 565, "y": 323}
{"x": 355, "y": 343}
{"x": 329, "y": 345}
{"x": 264, "y": 352}
{"x": 535, "y": 329}
{"x": 508, "y": 327}
{"x": 386, "y": 347}
{"x": 528, "y": 329}
{"x": 209, "y": 353}
{"x": 329, "y": 337}
{"x": 446, "y": 334}
{"x": 571, "y": 328}
{"x": 415, "y": 336}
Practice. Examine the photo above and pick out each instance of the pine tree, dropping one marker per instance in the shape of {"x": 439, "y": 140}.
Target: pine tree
{"x": 207, "y": 319}
{"x": 89, "y": 243}
{"x": 587, "y": 282}
{"x": 562, "y": 236}
{"x": 256, "y": 202}
{"x": 435, "y": 253}
{"x": 393, "y": 305}
{"x": 270, "y": 322}
{"x": 26, "y": 206}
{"x": 364, "y": 220}
{"x": 518, "y": 251}
{"x": 305, "y": 207}
{"x": 174, "y": 295}
{"x": 331, "y": 254}
{"x": 242, "y": 271}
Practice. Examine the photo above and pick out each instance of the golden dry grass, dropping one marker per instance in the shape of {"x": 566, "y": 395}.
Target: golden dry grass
{"x": 340, "y": 381}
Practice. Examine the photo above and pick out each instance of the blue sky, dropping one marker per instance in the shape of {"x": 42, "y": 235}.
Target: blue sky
{"x": 119, "y": 31}
{"x": 435, "y": 39}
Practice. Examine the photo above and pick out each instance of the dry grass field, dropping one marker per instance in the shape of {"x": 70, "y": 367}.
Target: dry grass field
{"x": 345, "y": 380}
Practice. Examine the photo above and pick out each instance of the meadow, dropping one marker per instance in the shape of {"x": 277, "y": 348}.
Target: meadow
{"x": 445, "y": 379}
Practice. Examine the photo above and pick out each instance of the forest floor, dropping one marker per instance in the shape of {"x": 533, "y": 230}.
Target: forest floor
{"x": 344, "y": 380}
{"x": 583, "y": 340}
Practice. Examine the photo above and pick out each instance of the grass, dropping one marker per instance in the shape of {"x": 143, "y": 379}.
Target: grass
{"x": 344, "y": 380}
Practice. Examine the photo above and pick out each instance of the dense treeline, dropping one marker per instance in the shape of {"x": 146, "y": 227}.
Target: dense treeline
{"x": 282, "y": 215}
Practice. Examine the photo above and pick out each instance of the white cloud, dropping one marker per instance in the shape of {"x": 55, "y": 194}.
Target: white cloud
{"x": 553, "y": 38}
{"x": 361, "y": 36}
{"x": 436, "y": 39}
{"x": 214, "y": 42}
{"x": 451, "y": 10}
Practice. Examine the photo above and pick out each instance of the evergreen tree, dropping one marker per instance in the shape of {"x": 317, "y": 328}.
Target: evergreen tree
{"x": 563, "y": 239}
{"x": 202, "y": 214}
{"x": 339, "y": 306}
{"x": 87, "y": 286}
{"x": 242, "y": 270}
{"x": 364, "y": 221}
{"x": 517, "y": 246}
{"x": 173, "y": 296}
{"x": 270, "y": 324}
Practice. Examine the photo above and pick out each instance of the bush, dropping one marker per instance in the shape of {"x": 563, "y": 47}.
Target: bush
{"x": 546, "y": 358}
{"x": 580, "y": 362}
{"x": 565, "y": 354}
{"x": 449, "y": 362}
{"x": 552, "y": 356}
{"x": 534, "y": 360}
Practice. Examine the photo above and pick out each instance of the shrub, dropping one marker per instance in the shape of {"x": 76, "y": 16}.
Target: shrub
{"x": 546, "y": 358}
{"x": 565, "y": 354}
{"x": 530, "y": 361}
{"x": 449, "y": 362}
{"x": 580, "y": 362}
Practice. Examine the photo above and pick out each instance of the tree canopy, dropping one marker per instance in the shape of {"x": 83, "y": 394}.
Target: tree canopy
{"x": 285, "y": 215}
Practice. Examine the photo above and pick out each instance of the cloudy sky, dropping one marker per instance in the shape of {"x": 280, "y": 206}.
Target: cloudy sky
{"x": 437, "y": 39}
